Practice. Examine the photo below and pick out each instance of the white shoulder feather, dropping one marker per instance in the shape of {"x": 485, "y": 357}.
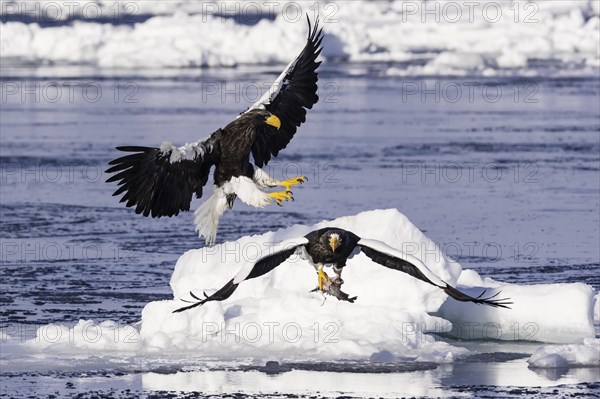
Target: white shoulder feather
{"x": 187, "y": 152}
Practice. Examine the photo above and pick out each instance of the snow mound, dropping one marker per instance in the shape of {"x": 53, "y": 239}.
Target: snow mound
{"x": 586, "y": 354}
{"x": 275, "y": 316}
{"x": 417, "y": 38}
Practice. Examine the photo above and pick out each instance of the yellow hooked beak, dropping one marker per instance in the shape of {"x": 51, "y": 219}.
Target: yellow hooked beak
{"x": 273, "y": 121}
{"x": 334, "y": 243}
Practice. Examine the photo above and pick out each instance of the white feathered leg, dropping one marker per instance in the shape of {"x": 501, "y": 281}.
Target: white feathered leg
{"x": 248, "y": 191}
{"x": 263, "y": 179}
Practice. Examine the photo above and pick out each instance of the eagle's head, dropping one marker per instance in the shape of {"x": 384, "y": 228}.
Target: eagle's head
{"x": 334, "y": 240}
{"x": 259, "y": 117}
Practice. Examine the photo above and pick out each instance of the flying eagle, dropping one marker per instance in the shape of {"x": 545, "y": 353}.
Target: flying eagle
{"x": 334, "y": 246}
{"x": 161, "y": 181}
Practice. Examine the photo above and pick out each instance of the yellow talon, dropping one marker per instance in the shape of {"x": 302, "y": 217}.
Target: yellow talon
{"x": 322, "y": 277}
{"x": 292, "y": 182}
{"x": 280, "y": 196}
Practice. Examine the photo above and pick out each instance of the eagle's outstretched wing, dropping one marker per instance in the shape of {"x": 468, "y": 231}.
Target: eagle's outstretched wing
{"x": 294, "y": 91}
{"x": 397, "y": 260}
{"x": 161, "y": 181}
{"x": 250, "y": 270}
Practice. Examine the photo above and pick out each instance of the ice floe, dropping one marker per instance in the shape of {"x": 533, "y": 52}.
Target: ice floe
{"x": 276, "y": 315}
{"x": 415, "y": 38}
{"x": 585, "y": 354}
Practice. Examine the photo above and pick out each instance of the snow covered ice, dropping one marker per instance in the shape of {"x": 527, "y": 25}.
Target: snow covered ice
{"x": 542, "y": 312}
{"x": 585, "y": 354}
{"x": 302, "y": 328}
{"x": 467, "y": 41}
{"x": 276, "y": 315}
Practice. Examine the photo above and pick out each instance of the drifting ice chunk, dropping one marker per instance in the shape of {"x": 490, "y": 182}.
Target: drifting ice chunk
{"x": 275, "y": 316}
{"x": 586, "y": 354}
{"x": 179, "y": 36}
{"x": 558, "y": 313}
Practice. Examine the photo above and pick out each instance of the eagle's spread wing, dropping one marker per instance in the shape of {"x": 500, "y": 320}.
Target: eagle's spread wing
{"x": 161, "y": 181}
{"x": 397, "y": 260}
{"x": 264, "y": 265}
{"x": 294, "y": 91}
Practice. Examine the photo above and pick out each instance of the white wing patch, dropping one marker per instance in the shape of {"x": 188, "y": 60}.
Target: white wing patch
{"x": 188, "y": 152}
{"x": 274, "y": 90}
{"x": 268, "y": 251}
{"x": 386, "y": 249}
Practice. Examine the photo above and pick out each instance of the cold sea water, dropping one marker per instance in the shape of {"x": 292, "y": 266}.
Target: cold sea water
{"x": 502, "y": 173}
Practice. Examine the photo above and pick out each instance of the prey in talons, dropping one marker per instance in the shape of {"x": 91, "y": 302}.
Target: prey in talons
{"x": 332, "y": 286}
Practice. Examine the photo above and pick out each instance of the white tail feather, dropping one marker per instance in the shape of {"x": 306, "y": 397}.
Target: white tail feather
{"x": 206, "y": 217}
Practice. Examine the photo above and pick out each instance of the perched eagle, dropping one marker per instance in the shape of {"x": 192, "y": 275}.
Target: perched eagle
{"x": 333, "y": 246}
{"x": 161, "y": 181}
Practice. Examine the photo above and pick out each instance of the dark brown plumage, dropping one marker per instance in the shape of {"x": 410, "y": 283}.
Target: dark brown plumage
{"x": 162, "y": 181}
{"x": 333, "y": 246}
